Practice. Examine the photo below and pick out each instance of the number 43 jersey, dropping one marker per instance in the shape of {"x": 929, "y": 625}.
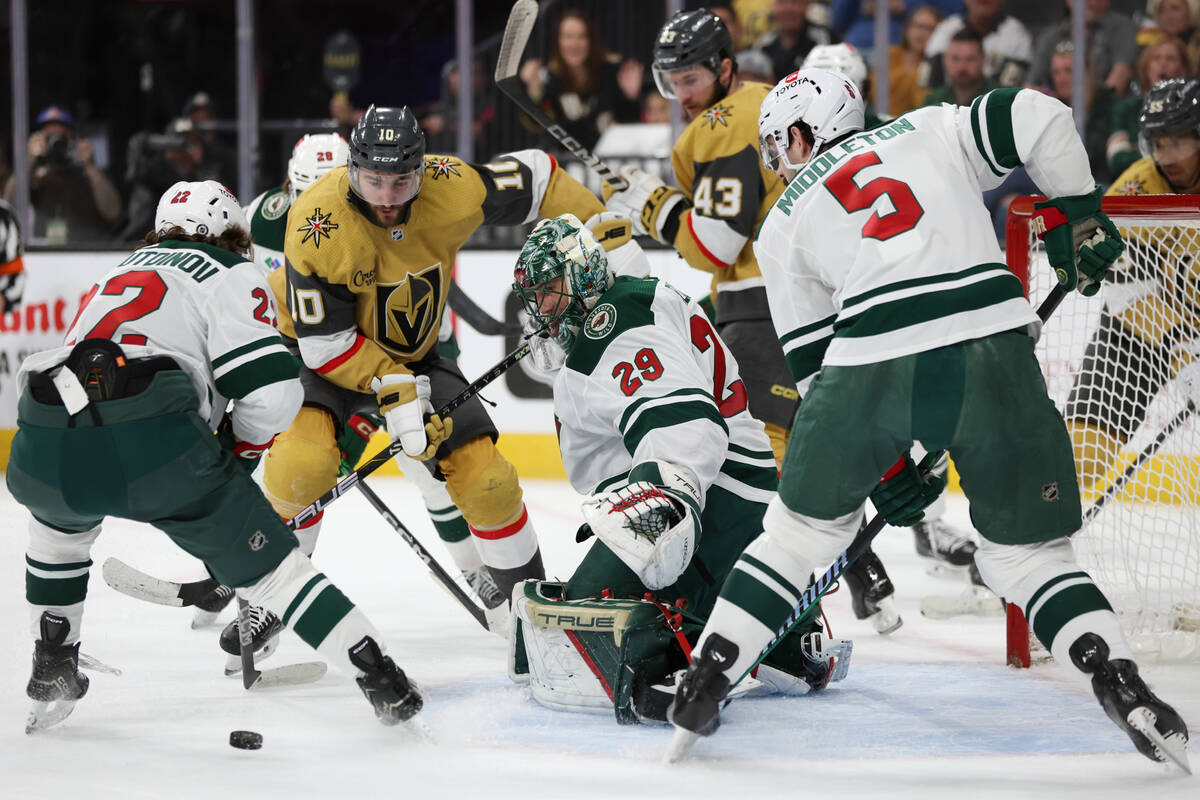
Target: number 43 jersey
{"x": 205, "y": 307}
{"x": 648, "y": 378}
{"x": 881, "y": 247}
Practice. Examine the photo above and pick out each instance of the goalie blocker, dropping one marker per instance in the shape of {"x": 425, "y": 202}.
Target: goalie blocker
{"x": 622, "y": 655}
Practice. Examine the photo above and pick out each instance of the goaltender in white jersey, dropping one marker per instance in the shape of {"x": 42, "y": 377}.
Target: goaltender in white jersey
{"x": 886, "y": 283}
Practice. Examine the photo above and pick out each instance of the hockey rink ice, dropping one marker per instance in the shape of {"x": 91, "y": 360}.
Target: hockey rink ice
{"x": 929, "y": 712}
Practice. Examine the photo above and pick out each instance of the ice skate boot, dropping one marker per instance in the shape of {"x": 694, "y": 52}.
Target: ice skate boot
{"x": 936, "y": 540}
{"x": 265, "y": 628}
{"x": 56, "y": 683}
{"x": 871, "y": 593}
{"x": 384, "y": 684}
{"x": 1158, "y": 732}
{"x": 495, "y": 603}
{"x": 699, "y": 695}
{"x": 210, "y": 605}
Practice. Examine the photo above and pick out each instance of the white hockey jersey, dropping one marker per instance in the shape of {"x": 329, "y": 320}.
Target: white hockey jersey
{"x": 648, "y": 378}
{"x": 881, "y": 247}
{"x": 211, "y": 311}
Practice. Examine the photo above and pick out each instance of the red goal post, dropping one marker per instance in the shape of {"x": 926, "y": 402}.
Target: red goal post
{"x": 1143, "y": 547}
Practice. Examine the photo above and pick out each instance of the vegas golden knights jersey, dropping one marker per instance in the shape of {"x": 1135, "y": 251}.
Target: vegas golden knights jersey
{"x": 1154, "y": 290}
{"x": 364, "y": 300}
{"x": 717, "y": 165}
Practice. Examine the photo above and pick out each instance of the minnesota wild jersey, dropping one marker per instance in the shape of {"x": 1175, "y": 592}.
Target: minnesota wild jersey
{"x": 363, "y": 299}
{"x": 1154, "y": 289}
{"x": 717, "y": 166}
{"x": 879, "y": 247}
{"x": 648, "y": 378}
{"x": 205, "y": 307}
{"x": 268, "y": 226}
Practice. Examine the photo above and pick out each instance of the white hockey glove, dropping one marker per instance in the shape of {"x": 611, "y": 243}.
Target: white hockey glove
{"x": 648, "y": 201}
{"x": 615, "y": 233}
{"x": 649, "y": 528}
{"x": 404, "y": 402}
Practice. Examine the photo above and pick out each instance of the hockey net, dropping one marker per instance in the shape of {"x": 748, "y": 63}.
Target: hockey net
{"x": 1110, "y": 363}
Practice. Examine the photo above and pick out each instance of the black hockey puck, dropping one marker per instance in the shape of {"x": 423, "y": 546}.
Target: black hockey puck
{"x": 245, "y": 740}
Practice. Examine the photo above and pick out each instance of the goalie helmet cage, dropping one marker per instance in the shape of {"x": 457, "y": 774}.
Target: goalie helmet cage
{"x": 1141, "y": 536}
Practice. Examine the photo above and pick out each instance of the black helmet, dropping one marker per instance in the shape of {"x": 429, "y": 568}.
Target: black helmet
{"x": 687, "y": 38}
{"x": 387, "y": 140}
{"x": 1172, "y": 106}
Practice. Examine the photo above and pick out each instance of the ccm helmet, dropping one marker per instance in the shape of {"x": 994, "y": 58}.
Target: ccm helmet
{"x": 313, "y": 156}
{"x": 1171, "y": 106}
{"x": 688, "y": 38}
{"x": 387, "y": 156}
{"x": 828, "y": 104}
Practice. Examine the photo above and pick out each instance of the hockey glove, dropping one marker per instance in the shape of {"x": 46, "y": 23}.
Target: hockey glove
{"x": 247, "y": 454}
{"x": 404, "y": 402}
{"x": 356, "y": 435}
{"x": 907, "y": 490}
{"x": 614, "y": 232}
{"x": 1082, "y": 244}
{"x": 648, "y": 202}
{"x": 649, "y": 528}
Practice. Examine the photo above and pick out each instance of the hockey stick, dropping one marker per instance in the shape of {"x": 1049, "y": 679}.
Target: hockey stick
{"x": 393, "y": 449}
{"x": 434, "y": 567}
{"x": 1146, "y": 453}
{"x": 517, "y": 30}
{"x": 253, "y": 678}
{"x": 461, "y": 303}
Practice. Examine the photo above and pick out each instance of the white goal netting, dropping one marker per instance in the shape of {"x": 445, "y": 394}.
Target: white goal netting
{"x": 1110, "y": 363}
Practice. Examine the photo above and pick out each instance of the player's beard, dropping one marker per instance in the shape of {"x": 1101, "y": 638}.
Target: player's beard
{"x": 388, "y": 216}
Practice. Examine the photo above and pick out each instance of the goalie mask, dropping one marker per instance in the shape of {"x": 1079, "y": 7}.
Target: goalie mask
{"x": 313, "y": 156}
{"x": 560, "y": 274}
{"x": 204, "y": 208}
{"x": 828, "y": 104}
{"x": 387, "y": 156}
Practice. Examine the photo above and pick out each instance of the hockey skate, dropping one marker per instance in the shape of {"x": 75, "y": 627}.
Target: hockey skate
{"x": 265, "y": 628}
{"x": 938, "y": 541}
{"x": 384, "y": 684}
{"x": 56, "y": 683}
{"x": 495, "y": 603}
{"x": 210, "y": 605}
{"x": 700, "y": 694}
{"x": 871, "y": 593}
{"x": 1158, "y": 732}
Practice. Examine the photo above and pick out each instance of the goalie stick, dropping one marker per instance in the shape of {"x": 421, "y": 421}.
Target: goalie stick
{"x": 517, "y": 30}
{"x": 683, "y": 739}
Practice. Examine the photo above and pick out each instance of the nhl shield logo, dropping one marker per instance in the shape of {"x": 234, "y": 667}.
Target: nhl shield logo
{"x": 1050, "y": 492}
{"x": 397, "y": 234}
{"x": 601, "y": 321}
{"x": 258, "y": 541}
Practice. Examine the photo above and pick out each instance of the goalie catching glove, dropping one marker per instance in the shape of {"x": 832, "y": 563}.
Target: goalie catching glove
{"x": 404, "y": 402}
{"x": 650, "y": 528}
{"x": 653, "y": 206}
{"x": 908, "y": 489}
{"x": 1082, "y": 243}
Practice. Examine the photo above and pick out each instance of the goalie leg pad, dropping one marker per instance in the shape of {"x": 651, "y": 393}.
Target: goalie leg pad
{"x": 56, "y": 575}
{"x": 302, "y": 463}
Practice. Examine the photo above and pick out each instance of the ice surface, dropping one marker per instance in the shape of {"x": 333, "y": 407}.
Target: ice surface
{"x": 930, "y": 712}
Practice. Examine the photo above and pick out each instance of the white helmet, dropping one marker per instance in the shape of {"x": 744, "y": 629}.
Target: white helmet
{"x": 313, "y": 156}
{"x": 841, "y": 58}
{"x": 829, "y": 104}
{"x": 200, "y": 207}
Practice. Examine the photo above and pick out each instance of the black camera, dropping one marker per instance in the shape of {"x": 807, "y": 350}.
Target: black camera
{"x": 59, "y": 149}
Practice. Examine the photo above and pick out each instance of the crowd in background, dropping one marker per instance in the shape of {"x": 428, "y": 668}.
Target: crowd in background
{"x": 96, "y": 172}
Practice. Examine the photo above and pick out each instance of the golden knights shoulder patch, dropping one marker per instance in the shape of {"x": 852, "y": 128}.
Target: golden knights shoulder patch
{"x": 317, "y": 226}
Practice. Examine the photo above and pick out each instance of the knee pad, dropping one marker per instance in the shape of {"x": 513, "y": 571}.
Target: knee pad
{"x": 303, "y": 462}
{"x": 808, "y": 539}
{"x": 1095, "y": 449}
{"x": 779, "y": 440}
{"x": 482, "y": 484}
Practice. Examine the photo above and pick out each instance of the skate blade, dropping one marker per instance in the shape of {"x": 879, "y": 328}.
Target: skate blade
{"x": 1171, "y": 748}
{"x": 93, "y": 664}
{"x": 290, "y": 675}
{"x": 204, "y": 619}
{"x": 46, "y": 715}
{"x": 887, "y": 619}
{"x": 417, "y": 726}
{"x": 976, "y": 601}
{"x": 681, "y": 744}
{"x": 233, "y": 664}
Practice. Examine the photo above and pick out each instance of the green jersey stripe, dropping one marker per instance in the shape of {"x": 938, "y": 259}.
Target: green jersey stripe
{"x": 755, "y": 598}
{"x": 746, "y": 451}
{"x": 48, "y": 567}
{"x": 258, "y": 344}
{"x": 931, "y": 280}
{"x": 299, "y": 598}
{"x": 1050, "y": 584}
{"x": 775, "y": 576}
{"x": 998, "y": 110}
{"x": 977, "y": 132}
{"x": 636, "y": 405}
{"x": 899, "y": 314}
{"x": 666, "y": 416}
{"x": 55, "y": 591}
{"x": 260, "y": 372}
{"x": 330, "y": 607}
{"x": 804, "y": 361}
{"x": 1065, "y": 605}
{"x": 804, "y": 330}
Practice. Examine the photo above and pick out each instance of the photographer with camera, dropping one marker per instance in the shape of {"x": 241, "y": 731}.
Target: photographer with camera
{"x": 73, "y": 200}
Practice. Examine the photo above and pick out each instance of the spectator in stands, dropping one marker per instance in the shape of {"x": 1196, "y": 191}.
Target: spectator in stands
{"x": 215, "y": 160}
{"x": 962, "y": 64}
{"x": 1111, "y": 46}
{"x": 1098, "y": 105}
{"x": 1176, "y": 18}
{"x": 1167, "y": 57}
{"x": 793, "y": 36}
{"x": 583, "y": 86}
{"x": 12, "y": 266}
{"x": 854, "y": 20}
{"x": 655, "y": 107}
{"x": 906, "y": 59}
{"x": 754, "y": 18}
{"x": 725, "y": 11}
{"x": 73, "y": 200}
{"x": 1007, "y": 44}
{"x": 154, "y": 163}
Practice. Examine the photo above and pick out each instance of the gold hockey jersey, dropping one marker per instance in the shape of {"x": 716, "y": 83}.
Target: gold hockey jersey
{"x": 717, "y": 165}
{"x": 364, "y": 300}
{"x": 1154, "y": 289}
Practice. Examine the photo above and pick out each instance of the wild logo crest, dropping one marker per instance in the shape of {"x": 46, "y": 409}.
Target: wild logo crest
{"x": 317, "y": 226}
{"x": 601, "y": 321}
{"x": 406, "y": 312}
{"x": 275, "y": 206}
